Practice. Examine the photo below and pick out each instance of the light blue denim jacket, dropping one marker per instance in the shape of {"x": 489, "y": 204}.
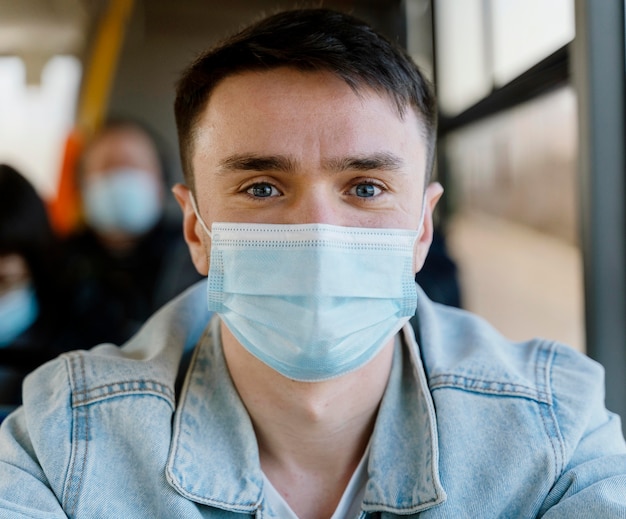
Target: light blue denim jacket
{"x": 470, "y": 426}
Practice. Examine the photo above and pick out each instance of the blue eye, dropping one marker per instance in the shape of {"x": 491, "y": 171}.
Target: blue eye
{"x": 262, "y": 190}
{"x": 365, "y": 190}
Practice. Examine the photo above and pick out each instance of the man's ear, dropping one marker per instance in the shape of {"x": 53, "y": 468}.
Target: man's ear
{"x": 431, "y": 197}
{"x": 196, "y": 238}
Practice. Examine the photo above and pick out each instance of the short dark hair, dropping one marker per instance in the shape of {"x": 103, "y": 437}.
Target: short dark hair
{"x": 307, "y": 40}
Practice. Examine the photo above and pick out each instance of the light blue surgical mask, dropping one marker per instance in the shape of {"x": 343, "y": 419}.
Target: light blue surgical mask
{"x": 311, "y": 301}
{"x": 18, "y": 311}
{"x": 124, "y": 199}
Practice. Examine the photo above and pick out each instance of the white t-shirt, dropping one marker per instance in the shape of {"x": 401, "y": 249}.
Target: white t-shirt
{"x": 349, "y": 506}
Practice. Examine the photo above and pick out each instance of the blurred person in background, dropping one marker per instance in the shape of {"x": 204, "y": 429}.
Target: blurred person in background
{"x": 128, "y": 259}
{"x": 31, "y": 300}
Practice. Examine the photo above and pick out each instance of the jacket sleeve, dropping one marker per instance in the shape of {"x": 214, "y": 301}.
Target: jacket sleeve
{"x": 588, "y": 442}
{"x": 35, "y": 447}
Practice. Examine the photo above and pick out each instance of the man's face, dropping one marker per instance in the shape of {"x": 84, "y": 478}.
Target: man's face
{"x": 290, "y": 147}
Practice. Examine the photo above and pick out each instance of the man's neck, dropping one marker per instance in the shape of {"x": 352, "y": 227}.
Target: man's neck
{"x": 311, "y": 436}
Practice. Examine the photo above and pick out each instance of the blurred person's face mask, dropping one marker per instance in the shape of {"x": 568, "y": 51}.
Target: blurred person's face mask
{"x": 122, "y": 200}
{"x": 312, "y": 301}
{"x": 18, "y": 311}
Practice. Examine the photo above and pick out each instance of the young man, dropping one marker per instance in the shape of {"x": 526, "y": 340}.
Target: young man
{"x": 307, "y": 144}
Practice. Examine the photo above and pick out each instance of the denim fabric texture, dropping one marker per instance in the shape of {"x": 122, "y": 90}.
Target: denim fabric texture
{"x": 470, "y": 426}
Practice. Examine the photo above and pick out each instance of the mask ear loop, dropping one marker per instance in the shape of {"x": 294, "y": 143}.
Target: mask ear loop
{"x": 197, "y": 213}
{"x": 419, "y": 227}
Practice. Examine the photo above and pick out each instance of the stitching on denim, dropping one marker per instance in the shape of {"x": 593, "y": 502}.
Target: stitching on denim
{"x": 414, "y": 509}
{"x": 114, "y": 394}
{"x": 82, "y": 397}
{"x": 477, "y": 385}
{"x": 556, "y": 438}
{"x": 543, "y": 412}
{"x": 68, "y": 484}
{"x": 78, "y": 416}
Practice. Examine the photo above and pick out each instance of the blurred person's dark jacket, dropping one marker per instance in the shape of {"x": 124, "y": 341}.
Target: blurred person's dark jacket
{"x": 115, "y": 294}
{"x": 25, "y": 232}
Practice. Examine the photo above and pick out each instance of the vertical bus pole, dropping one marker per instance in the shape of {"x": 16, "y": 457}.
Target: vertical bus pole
{"x": 599, "y": 68}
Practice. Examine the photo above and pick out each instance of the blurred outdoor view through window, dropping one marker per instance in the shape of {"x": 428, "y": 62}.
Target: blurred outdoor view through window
{"x": 512, "y": 186}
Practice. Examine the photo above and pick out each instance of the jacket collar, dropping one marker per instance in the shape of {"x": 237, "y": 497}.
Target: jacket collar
{"x": 214, "y": 458}
{"x": 404, "y": 457}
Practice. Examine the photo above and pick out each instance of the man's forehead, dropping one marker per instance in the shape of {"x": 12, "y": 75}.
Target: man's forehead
{"x": 271, "y": 90}
{"x": 298, "y": 82}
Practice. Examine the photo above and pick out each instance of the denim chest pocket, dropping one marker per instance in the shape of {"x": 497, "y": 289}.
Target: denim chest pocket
{"x": 524, "y": 375}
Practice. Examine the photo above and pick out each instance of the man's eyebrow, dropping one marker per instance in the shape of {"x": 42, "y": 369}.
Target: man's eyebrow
{"x": 374, "y": 161}
{"x": 369, "y": 162}
{"x": 257, "y": 163}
